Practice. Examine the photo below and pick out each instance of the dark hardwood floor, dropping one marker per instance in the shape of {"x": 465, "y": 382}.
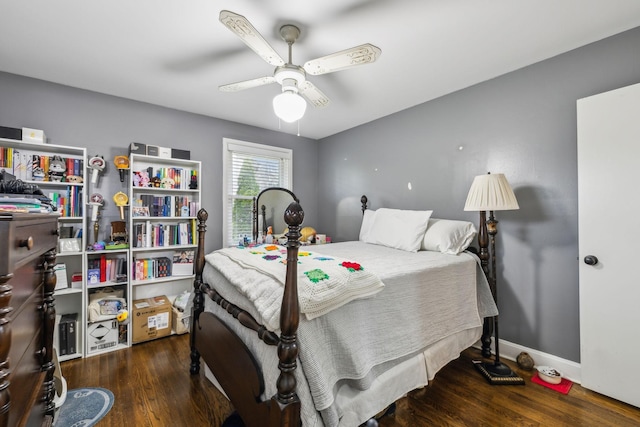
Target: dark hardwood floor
{"x": 153, "y": 387}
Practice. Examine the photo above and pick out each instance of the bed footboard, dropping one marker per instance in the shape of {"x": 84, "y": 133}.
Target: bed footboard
{"x": 228, "y": 357}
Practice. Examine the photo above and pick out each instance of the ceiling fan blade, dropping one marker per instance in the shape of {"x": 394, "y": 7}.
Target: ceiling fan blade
{"x": 313, "y": 94}
{"x": 247, "y": 84}
{"x": 359, "y": 55}
{"x": 252, "y": 38}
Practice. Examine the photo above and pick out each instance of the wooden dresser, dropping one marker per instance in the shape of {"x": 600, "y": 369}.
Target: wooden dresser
{"x": 27, "y": 318}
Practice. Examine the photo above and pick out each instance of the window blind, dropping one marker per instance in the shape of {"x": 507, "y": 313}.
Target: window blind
{"x": 249, "y": 168}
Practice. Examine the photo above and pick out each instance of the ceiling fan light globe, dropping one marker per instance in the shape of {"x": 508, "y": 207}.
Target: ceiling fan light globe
{"x": 289, "y": 106}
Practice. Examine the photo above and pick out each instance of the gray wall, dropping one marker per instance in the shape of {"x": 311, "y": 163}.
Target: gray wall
{"x": 106, "y": 125}
{"x": 522, "y": 124}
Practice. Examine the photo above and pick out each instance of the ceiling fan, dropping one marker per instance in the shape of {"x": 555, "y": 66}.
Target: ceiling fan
{"x": 288, "y": 105}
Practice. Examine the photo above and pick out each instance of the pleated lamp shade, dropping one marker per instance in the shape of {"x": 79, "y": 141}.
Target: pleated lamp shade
{"x": 491, "y": 192}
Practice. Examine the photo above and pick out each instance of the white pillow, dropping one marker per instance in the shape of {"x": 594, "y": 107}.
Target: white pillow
{"x": 448, "y": 236}
{"x": 367, "y": 225}
{"x": 400, "y": 229}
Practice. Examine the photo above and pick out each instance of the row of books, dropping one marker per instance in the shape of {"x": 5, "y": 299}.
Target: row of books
{"x": 180, "y": 264}
{"x": 167, "y": 206}
{"x": 29, "y": 166}
{"x": 103, "y": 269}
{"x": 151, "y": 235}
{"x": 67, "y": 334}
{"x": 182, "y": 177}
{"x": 151, "y": 268}
{"x": 69, "y": 203}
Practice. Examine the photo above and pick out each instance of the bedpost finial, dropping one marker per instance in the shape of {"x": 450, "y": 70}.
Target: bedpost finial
{"x": 294, "y": 215}
{"x": 203, "y": 215}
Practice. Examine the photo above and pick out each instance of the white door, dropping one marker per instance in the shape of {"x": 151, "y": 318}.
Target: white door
{"x": 609, "y": 230}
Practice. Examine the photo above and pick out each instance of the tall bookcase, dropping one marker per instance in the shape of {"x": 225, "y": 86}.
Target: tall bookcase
{"x": 59, "y": 171}
{"x": 107, "y": 256}
{"x": 164, "y": 198}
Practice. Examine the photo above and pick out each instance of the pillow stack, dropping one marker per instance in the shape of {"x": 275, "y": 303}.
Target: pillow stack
{"x": 415, "y": 230}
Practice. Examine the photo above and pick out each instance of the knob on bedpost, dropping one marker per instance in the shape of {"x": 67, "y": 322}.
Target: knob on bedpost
{"x": 293, "y": 216}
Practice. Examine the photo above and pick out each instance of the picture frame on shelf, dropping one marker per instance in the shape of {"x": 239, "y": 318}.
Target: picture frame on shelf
{"x": 138, "y": 211}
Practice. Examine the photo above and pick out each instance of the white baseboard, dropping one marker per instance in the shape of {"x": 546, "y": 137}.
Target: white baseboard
{"x": 568, "y": 368}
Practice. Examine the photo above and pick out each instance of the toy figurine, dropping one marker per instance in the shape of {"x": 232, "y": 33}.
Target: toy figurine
{"x": 57, "y": 168}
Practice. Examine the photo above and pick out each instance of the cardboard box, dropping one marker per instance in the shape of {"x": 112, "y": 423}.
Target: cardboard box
{"x": 33, "y": 135}
{"x": 180, "y": 321}
{"x": 180, "y": 154}
{"x": 153, "y": 150}
{"x": 102, "y": 335}
{"x": 10, "y": 133}
{"x": 151, "y": 318}
{"x": 164, "y": 152}
{"x": 138, "y": 148}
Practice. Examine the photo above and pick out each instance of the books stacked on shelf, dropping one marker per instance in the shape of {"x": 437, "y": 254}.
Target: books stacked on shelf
{"x": 175, "y": 178}
{"x": 152, "y": 268}
{"x": 168, "y": 206}
{"x": 183, "y": 262}
{"x": 152, "y": 235}
{"x": 67, "y": 334}
{"x": 27, "y": 165}
{"x": 103, "y": 269}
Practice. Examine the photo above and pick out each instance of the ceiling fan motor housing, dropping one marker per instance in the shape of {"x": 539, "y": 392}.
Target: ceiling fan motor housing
{"x": 290, "y": 77}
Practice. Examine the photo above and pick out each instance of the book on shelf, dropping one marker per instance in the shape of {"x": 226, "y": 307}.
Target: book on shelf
{"x": 61, "y": 276}
{"x": 93, "y": 276}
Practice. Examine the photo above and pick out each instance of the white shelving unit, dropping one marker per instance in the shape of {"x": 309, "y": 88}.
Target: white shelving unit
{"x": 106, "y": 270}
{"x": 162, "y": 225}
{"x": 31, "y": 163}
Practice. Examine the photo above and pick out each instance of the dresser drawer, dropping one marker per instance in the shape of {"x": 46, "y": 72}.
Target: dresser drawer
{"x": 27, "y": 316}
{"x": 30, "y": 238}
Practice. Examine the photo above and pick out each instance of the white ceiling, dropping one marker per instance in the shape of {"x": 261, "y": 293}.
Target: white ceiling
{"x": 177, "y": 53}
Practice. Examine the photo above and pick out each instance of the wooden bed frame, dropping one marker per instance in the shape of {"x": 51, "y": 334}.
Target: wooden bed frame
{"x": 233, "y": 364}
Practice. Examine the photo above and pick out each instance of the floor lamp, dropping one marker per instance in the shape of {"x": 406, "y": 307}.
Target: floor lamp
{"x": 492, "y": 192}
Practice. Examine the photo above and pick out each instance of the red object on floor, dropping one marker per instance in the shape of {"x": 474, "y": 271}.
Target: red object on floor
{"x": 563, "y": 387}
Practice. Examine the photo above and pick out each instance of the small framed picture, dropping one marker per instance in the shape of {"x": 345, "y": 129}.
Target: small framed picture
{"x": 140, "y": 211}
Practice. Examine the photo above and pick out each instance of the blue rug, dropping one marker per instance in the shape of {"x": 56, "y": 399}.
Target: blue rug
{"x": 84, "y": 407}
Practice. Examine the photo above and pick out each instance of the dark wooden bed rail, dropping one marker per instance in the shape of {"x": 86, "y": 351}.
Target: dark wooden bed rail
{"x": 244, "y": 384}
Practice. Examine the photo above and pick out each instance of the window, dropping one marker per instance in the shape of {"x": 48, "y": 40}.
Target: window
{"x": 248, "y": 169}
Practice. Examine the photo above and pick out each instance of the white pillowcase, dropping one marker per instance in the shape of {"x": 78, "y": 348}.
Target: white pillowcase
{"x": 367, "y": 225}
{"x": 448, "y": 236}
{"x": 400, "y": 229}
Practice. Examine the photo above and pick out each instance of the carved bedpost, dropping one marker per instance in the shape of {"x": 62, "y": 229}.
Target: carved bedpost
{"x": 198, "y": 299}
{"x": 49, "y": 324}
{"x": 286, "y": 397}
{"x": 363, "y": 201}
{"x": 483, "y": 244}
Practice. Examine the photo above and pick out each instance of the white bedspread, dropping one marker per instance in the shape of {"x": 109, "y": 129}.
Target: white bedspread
{"x": 427, "y": 296}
